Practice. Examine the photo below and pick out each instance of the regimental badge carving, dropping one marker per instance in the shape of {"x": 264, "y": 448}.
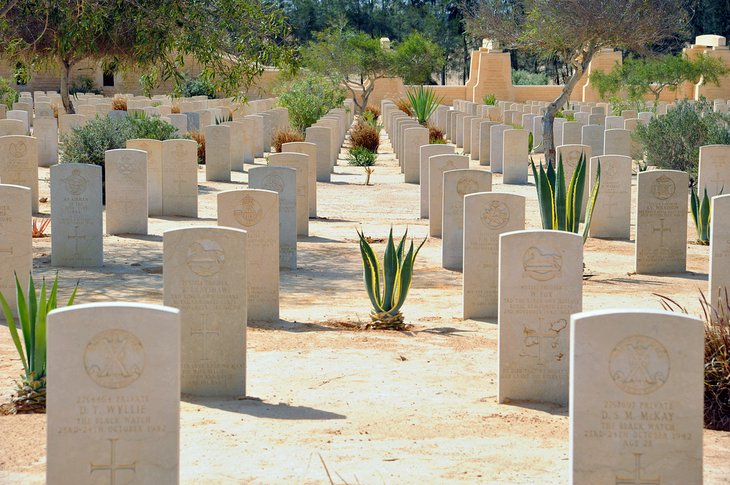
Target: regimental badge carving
{"x": 541, "y": 265}
{"x": 114, "y": 358}
{"x": 611, "y": 170}
{"x": 126, "y": 169}
{"x": 572, "y": 158}
{"x": 250, "y": 212}
{"x": 75, "y": 183}
{"x": 18, "y": 149}
{"x": 542, "y": 343}
{"x": 205, "y": 257}
{"x": 466, "y": 185}
{"x": 637, "y": 478}
{"x": 495, "y": 215}
{"x": 639, "y": 365}
{"x": 273, "y": 182}
{"x": 179, "y": 152}
{"x": 663, "y": 188}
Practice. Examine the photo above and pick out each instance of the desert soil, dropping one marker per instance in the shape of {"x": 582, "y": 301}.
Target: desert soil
{"x": 362, "y": 406}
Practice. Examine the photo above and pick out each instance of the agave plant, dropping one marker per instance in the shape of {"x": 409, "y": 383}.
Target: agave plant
{"x": 701, "y": 213}
{"x": 396, "y": 273}
{"x": 561, "y": 207}
{"x": 423, "y": 103}
{"x": 32, "y": 312}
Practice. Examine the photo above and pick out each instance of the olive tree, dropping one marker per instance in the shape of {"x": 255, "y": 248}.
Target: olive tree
{"x": 231, "y": 40}
{"x": 575, "y": 31}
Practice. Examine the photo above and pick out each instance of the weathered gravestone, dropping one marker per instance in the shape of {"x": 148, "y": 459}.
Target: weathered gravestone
{"x": 592, "y": 136}
{"x": 309, "y": 149}
{"x": 126, "y": 191}
{"x": 439, "y": 164}
{"x": 714, "y": 170}
{"x": 204, "y": 272}
{"x": 12, "y": 127}
{"x": 300, "y": 163}
{"x": 428, "y": 151}
{"x": 180, "y": 178}
{"x": 612, "y": 212}
{"x": 457, "y": 184}
{"x": 67, "y": 123}
{"x": 19, "y": 163}
{"x": 661, "y": 222}
{"x": 486, "y": 217}
{"x": 238, "y": 133}
{"x": 45, "y": 131}
{"x": 77, "y": 215}
{"x": 636, "y": 405}
{"x": 153, "y": 148}
{"x": 537, "y": 134}
{"x": 515, "y": 156}
{"x": 720, "y": 251}
{"x": 540, "y": 286}
{"x": 322, "y": 138}
{"x": 485, "y": 136}
{"x": 249, "y": 142}
{"x": 467, "y": 133}
{"x": 475, "y": 137}
{"x": 571, "y": 133}
{"x": 413, "y": 140}
{"x": 281, "y": 180}
{"x": 256, "y": 212}
{"x": 496, "y": 147}
{"x": 113, "y": 394}
{"x": 16, "y": 243}
{"x": 617, "y": 142}
{"x": 218, "y": 153}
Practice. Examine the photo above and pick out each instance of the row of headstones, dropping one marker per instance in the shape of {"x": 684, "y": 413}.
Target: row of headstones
{"x": 633, "y": 379}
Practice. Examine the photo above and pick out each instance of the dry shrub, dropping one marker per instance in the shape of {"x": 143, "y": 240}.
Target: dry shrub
{"x": 285, "y": 136}
{"x": 54, "y": 107}
{"x": 119, "y": 104}
{"x": 371, "y": 108}
{"x": 40, "y": 225}
{"x": 175, "y": 109}
{"x": 199, "y": 137}
{"x": 364, "y": 135}
{"x": 435, "y": 135}
{"x": 404, "y": 105}
{"x": 717, "y": 358}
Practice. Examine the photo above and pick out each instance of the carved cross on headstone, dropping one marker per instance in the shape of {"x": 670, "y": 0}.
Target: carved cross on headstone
{"x": 661, "y": 230}
{"x": 545, "y": 335}
{"x": 76, "y": 238}
{"x": 204, "y": 331}
{"x": 112, "y": 467}
{"x": 6, "y": 250}
{"x": 637, "y": 479}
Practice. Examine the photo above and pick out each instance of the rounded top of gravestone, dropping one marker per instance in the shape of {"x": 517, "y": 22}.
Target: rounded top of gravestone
{"x": 710, "y": 40}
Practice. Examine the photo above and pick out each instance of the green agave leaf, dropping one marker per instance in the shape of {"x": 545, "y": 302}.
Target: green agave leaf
{"x": 23, "y": 318}
{"x": 592, "y": 202}
{"x": 39, "y": 355}
{"x": 371, "y": 272}
{"x": 13, "y": 331}
{"x": 404, "y": 280}
{"x": 560, "y": 197}
{"x": 390, "y": 264}
{"x": 577, "y": 184}
{"x": 695, "y": 206}
{"x": 705, "y": 217}
{"x": 544, "y": 195}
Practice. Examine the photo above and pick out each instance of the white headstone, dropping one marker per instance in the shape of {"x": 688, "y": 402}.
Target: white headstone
{"x": 428, "y": 151}
{"x": 714, "y": 170}
{"x": 46, "y": 131}
{"x": 486, "y": 216}
{"x": 309, "y": 149}
{"x": 204, "y": 270}
{"x": 300, "y": 163}
{"x": 720, "y": 251}
{"x": 113, "y": 394}
{"x": 617, "y": 142}
{"x": 180, "y": 178}
{"x": 540, "y": 286}
{"x": 496, "y": 147}
{"x": 77, "y": 215}
{"x": 19, "y": 163}
{"x": 12, "y": 127}
{"x": 321, "y": 137}
{"x": 612, "y": 212}
{"x": 413, "y": 139}
{"x": 218, "y": 153}
{"x": 16, "y": 243}
{"x": 439, "y": 164}
{"x": 153, "y": 148}
{"x": 515, "y": 156}
{"x": 126, "y": 191}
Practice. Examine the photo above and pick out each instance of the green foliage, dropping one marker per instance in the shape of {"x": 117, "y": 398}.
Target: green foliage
{"x": 638, "y": 77}
{"x": 8, "y": 95}
{"x": 397, "y": 275}
{"x": 568, "y": 117}
{"x": 561, "y": 206}
{"x": 370, "y": 119}
{"x": 701, "y": 214}
{"x": 416, "y": 58}
{"x": 673, "y": 141}
{"x": 424, "y": 103}
{"x": 197, "y": 86}
{"x": 309, "y": 98}
{"x": 490, "y": 99}
{"x": 88, "y": 143}
{"x": 351, "y": 58}
{"x": 219, "y": 120}
{"x": 83, "y": 84}
{"x": 32, "y": 312}
{"x": 361, "y": 157}
{"x": 521, "y": 77}
{"x": 365, "y": 135}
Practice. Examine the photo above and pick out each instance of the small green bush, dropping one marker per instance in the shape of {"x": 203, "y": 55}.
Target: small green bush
{"x": 527, "y": 78}
{"x": 308, "y": 99}
{"x": 8, "y": 95}
{"x": 197, "y": 86}
{"x": 88, "y": 143}
{"x": 490, "y": 99}
{"x": 673, "y": 141}
{"x": 83, "y": 84}
{"x": 361, "y": 157}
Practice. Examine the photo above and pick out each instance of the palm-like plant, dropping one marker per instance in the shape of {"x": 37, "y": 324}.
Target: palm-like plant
{"x": 32, "y": 313}
{"x": 397, "y": 275}
{"x": 423, "y": 103}
{"x": 561, "y": 206}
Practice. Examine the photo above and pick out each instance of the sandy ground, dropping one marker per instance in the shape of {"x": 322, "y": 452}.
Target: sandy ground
{"x": 373, "y": 407}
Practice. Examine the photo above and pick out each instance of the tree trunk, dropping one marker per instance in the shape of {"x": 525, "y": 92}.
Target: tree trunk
{"x": 549, "y": 116}
{"x": 65, "y": 81}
